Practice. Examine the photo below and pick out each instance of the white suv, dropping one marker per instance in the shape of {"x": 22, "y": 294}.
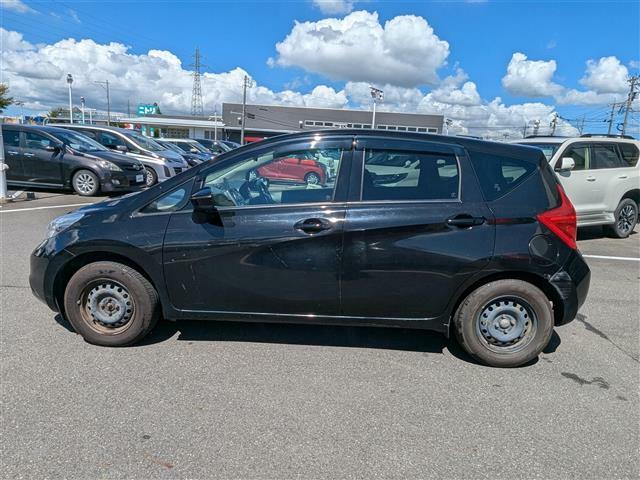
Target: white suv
{"x": 600, "y": 174}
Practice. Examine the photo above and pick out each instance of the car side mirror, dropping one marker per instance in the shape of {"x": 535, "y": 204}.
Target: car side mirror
{"x": 194, "y": 150}
{"x": 207, "y": 199}
{"x": 54, "y": 148}
{"x": 566, "y": 164}
{"x": 122, "y": 148}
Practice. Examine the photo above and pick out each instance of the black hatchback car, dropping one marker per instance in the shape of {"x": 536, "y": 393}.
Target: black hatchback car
{"x": 49, "y": 157}
{"x": 430, "y": 232}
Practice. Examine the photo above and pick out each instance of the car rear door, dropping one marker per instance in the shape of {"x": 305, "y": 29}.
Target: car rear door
{"x": 580, "y": 183}
{"x": 411, "y": 238}
{"x": 13, "y": 154}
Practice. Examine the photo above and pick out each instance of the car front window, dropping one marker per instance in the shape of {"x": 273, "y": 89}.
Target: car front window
{"x": 145, "y": 142}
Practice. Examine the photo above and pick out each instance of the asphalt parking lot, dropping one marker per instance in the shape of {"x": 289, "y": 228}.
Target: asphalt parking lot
{"x": 202, "y": 400}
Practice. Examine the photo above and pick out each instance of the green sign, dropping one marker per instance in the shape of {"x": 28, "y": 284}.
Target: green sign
{"x": 148, "y": 109}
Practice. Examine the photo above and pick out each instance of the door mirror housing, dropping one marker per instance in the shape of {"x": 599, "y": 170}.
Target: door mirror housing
{"x": 194, "y": 150}
{"x": 566, "y": 164}
{"x": 122, "y": 148}
{"x": 58, "y": 147}
{"x": 207, "y": 199}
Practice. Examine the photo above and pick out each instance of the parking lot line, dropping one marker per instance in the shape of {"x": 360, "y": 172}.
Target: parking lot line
{"x": 43, "y": 208}
{"x": 606, "y": 257}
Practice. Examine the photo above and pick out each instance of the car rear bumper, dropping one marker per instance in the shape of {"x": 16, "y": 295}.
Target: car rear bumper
{"x": 571, "y": 283}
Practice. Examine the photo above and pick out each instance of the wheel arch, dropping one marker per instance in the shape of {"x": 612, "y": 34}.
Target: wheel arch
{"x": 536, "y": 280}
{"x": 633, "y": 194}
{"x": 76, "y": 263}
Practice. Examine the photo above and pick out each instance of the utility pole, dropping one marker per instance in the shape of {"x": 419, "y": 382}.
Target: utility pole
{"x": 581, "y": 127}
{"x": 105, "y": 85}
{"x": 82, "y": 108}
{"x": 215, "y": 124}
{"x": 613, "y": 107}
{"x": 377, "y": 95}
{"x": 69, "y": 82}
{"x": 632, "y": 94}
{"x": 524, "y": 130}
{"x": 246, "y": 83}
{"x": 3, "y": 176}
{"x": 554, "y": 123}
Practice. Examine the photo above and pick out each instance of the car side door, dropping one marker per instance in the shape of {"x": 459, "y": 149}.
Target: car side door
{"x": 42, "y": 160}
{"x": 410, "y": 241}
{"x": 273, "y": 253}
{"x": 579, "y": 182}
{"x": 13, "y": 154}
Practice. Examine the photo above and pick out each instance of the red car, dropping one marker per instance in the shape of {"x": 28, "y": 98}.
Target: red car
{"x": 294, "y": 169}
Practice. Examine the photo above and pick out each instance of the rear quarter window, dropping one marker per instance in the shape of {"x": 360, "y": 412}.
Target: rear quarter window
{"x": 629, "y": 154}
{"x": 498, "y": 175}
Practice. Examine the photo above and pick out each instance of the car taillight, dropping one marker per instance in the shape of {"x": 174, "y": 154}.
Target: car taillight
{"x": 561, "y": 220}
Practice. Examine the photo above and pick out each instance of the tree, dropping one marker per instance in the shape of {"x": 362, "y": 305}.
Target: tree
{"x": 58, "y": 112}
{"x": 5, "y": 100}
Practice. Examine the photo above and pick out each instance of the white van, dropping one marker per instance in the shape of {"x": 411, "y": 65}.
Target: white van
{"x": 600, "y": 174}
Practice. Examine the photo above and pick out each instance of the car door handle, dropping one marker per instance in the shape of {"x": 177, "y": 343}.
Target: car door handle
{"x": 591, "y": 179}
{"x": 623, "y": 176}
{"x": 29, "y": 154}
{"x": 12, "y": 152}
{"x": 313, "y": 225}
{"x": 465, "y": 221}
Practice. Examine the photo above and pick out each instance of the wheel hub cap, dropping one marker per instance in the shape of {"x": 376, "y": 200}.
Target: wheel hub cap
{"x": 626, "y": 219}
{"x": 504, "y": 322}
{"x": 85, "y": 183}
{"x": 110, "y": 304}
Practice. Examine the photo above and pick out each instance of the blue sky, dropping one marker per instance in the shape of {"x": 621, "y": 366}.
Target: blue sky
{"x": 482, "y": 37}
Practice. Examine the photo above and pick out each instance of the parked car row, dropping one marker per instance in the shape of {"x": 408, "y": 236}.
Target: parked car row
{"x": 601, "y": 176}
{"x": 91, "y": 159}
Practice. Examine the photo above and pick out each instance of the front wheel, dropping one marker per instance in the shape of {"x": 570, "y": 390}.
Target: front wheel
{"x": 505, "y": 323}
{"x": 85, "y": 183}
{"x": 626, "y": 216}
{"x": 312, "y": 178}
{"x": 111, "y": 304}
{"x": 150, "y": 176}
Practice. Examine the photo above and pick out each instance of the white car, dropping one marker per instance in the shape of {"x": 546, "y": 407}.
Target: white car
{"x": 601, "y": 176}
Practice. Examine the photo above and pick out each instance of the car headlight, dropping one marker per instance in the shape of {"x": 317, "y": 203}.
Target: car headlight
{"x": 60, "y": 224}
{"x": 109, "y": 165}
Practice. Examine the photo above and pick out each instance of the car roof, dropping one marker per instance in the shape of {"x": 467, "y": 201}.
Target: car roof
{"x": 40, "y": 128}
{"x": 92, "y": 127}
{"x": 526, "y": 140}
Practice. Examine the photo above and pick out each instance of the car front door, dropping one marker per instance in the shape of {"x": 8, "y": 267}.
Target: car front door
{"x": 13, "y": 154}
{"x": 274, "y": 249}
{"x": 412, "y": 238}
{"x": 42, "y": 162}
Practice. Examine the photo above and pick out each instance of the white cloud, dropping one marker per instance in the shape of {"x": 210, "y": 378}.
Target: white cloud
{"x": 456, "y": 90}
{"x": 530, "y": 78}
{"x": 74, "y": 16}
{"x": 16, "y": 6}
{"x": 334, "y": 7}
{"x": 607, "y": 75}
{"x": 404, "y": 52}
{"x": 36, "y": 74}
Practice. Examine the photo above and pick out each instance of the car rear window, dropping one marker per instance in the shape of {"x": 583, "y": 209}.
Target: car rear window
{"x": 629, "y": 154}
{"x": 499, "y": 175}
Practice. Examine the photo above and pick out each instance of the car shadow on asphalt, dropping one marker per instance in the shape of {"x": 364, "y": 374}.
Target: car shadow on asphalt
{"x": 401, "y": 339}
{"x": 594, "y": 233}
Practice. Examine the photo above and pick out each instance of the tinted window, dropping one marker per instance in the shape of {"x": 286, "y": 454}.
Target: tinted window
{"x": 78, "y": 142}
{"x": 11, "y": 138}
{"x": 37, "y": 141}
{"x": 629, "y": 154}
{"x": 498, "y": 175}
{"x": 89, "y": 133}
{"x": 110, "y": 140}
{"x": 580, "y": 155}
{"x": 288, "y": 177}
{"x": 392, "y": 175}
{"x": 605, "y": 156}
{"x": 547, "y": 148}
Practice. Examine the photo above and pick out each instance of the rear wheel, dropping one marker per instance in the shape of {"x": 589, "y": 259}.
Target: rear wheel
{"x": 150, "y": 176}
{"x": 312, "y": 178}
{"x": 111, "y": 304}
{"x": 505, "y": 323}
{"x": 626, "y": 216}
{"x": 85, "y": 183}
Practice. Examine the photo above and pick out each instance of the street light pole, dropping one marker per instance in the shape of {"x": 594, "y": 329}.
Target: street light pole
{"x": 69, "y": 82}
{"x": 376, "y": 94}
{"x": 246, "y": 83}
{"x": 82, "y": 108}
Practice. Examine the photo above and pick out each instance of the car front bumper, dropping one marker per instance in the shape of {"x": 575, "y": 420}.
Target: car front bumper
{"x": 123, "y": 181}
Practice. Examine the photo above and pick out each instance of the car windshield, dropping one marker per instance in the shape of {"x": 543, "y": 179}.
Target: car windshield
{"x": 549, "y": 149}
{"x": 78, "y": 142}
{"x": 187, "y": 146}
{"x": 145, "y": 142}
{"x": 171, "y": 146}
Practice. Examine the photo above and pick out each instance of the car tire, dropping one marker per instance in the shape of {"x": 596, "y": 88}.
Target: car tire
{"x": 85, "y": 183}
{"x": 312, "y": 178}
{"x": 111, "y": 304}
{"x": 626, "y": 216}
{"x": 505, "y": 323}
{"x": 150, "y": 176}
